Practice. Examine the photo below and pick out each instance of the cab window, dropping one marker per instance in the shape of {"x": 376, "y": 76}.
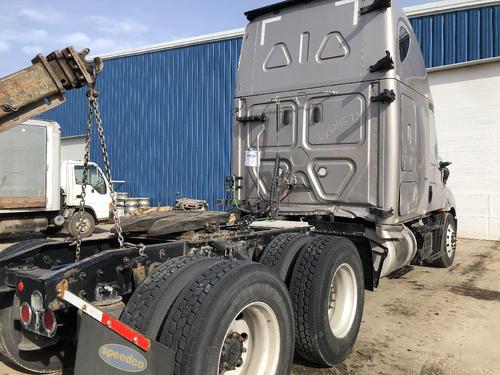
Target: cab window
{"x": 94, "y": 178}
{"x": 404, "y": 43}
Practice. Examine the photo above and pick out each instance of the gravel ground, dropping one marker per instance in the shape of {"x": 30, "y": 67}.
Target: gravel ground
{"x": 427, "y": 321}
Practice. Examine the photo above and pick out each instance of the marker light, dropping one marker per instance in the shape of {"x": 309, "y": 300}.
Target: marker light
{"x": 49, "y": 321}
{"x": 25, "y": 313}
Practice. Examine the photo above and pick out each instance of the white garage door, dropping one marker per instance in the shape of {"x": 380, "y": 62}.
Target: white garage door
{"x": 467, "y": 102}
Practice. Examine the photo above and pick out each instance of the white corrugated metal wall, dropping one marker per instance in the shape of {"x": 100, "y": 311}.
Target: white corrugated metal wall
{"x": 467, "y": 102}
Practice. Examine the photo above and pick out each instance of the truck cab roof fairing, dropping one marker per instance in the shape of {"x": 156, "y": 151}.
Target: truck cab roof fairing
{"x": 275, "y": 8}
{"x": 253, "y": 14}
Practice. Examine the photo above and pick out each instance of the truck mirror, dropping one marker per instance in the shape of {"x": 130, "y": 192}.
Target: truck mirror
{"x": 444, "y": 164}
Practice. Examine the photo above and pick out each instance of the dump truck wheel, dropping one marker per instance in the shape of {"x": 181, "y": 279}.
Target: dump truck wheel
{"x": 151, "y": 301}
{"x": 448, "y": 242}
{"x": 282, "y": 252}
{"x": 53, "y": 359}
{"x": 327, "y": 289}
{"x": 235, "y": 316}
{"x": 88, "y": 225}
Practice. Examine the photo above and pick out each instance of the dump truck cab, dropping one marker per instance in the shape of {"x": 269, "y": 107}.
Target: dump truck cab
{"x": 339, "y": 91}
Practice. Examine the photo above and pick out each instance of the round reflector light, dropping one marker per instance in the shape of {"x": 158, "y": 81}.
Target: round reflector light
{"x": 25, "y": 313}
{"x": 49, "y": 321}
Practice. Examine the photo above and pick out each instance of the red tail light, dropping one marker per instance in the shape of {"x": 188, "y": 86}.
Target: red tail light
{"x": 25, "y": 313}
{"x": 49, "y": 321}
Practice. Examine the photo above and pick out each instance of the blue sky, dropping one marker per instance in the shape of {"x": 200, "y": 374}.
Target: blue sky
{"x": 29, "y": 27}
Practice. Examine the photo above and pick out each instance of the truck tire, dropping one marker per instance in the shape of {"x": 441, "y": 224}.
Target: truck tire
{"x": 53, "y": 359}
{"x": 282, "y": 252}
{"x": 327, "y": 289}
{"x": 235, "y": 315}
{"x": 88, "y": 228}
{"x": 151, "y": 301}
{"x": 448, "y": 242}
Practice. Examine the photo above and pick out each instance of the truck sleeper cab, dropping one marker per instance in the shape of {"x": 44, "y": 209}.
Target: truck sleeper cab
{"x": 333, "y": 105}
{"x": 336, "y": 183}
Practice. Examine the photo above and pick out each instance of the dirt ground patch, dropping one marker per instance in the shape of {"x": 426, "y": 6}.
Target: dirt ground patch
{"x": 427, "y": 321}
{"x": 432, "y": 321}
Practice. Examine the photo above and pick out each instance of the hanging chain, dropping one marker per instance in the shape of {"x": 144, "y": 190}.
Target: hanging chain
{"x": 81, "y": 210}
{"x": 105, "y": 156}
{"x": 94, "y": 112}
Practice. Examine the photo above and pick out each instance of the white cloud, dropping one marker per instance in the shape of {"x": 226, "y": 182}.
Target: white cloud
{"x": 76, "y": 38}
{"x": 45, "y": 15}
{"x": 29, "y": 36}
{"x": 32, "y": 14}
{"x": 32, "y": 50}
{"x": 31, "y": 26}
{"x": 34, "y": 35}
{"x": 4, "y": 46}
{"x": 118, "y": 27}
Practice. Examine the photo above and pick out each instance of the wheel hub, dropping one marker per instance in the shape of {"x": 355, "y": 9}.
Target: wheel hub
{"x": 252, "y": 342}
{"x": 232, "y": 351}
{"x": 342, "y": 300}
{"x": 451, "y": 241}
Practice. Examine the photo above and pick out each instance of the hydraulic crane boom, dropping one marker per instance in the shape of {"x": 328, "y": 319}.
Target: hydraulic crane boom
{"x": 41, "y": 87}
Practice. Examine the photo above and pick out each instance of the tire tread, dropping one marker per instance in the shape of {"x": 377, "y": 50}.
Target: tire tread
{"x": 177, "y": 328}
{"x": 139, "y": 306}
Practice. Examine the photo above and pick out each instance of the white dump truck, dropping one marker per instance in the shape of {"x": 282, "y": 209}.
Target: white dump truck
{"x": 41, "y": 192}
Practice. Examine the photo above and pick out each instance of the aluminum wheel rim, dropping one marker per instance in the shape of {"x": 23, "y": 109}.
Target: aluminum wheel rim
{"x": 258, "y": 324}
{"x": 343, "y": 300}
{"x": 450, "y": 240}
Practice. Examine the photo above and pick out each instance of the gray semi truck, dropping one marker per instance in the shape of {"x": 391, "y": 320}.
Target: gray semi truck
{"x": 336, "y": 182}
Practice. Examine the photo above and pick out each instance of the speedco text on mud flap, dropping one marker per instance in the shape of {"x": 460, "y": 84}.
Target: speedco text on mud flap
{"x": 123, "y": 358}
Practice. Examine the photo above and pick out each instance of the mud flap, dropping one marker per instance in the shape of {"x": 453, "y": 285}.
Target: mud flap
{"x": 102, "y": 351}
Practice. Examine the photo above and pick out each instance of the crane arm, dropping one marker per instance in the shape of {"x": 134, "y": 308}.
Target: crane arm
{"x": 41, "y": 87}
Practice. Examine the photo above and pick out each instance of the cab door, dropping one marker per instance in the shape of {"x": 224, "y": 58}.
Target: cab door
{"x": 97, "y": 191}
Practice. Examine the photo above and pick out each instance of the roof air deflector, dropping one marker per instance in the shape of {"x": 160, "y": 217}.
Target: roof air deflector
{"x": 275, "y": 8}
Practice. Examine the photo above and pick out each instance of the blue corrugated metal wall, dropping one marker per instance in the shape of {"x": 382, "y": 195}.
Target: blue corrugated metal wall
{"x": 460, "y": 36}
{"x": 167, "y": 117}
{"x": 168, "y": 113}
